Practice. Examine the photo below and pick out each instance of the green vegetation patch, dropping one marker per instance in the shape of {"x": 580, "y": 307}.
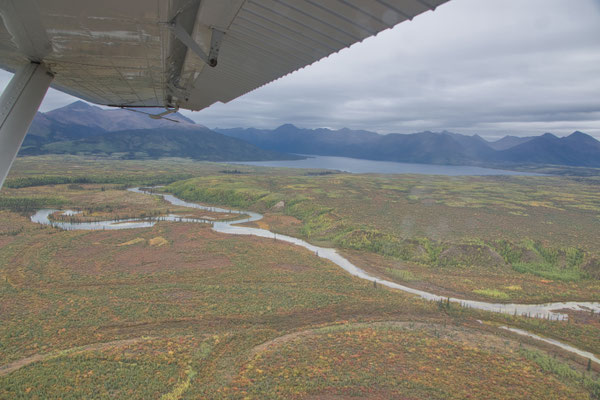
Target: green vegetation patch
{"x": 117, "y": 178}
{"x": 401, "y": 274}
{"x": 215, "y": 192}
{"x": 493, "y": 293}
{"x": 563, "y": 371}
{"x": 363, "y": 216}
{"x": 550, "y": 271}
{"x": 30, "y": 204}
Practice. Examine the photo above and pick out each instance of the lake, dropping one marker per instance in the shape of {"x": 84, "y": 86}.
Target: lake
{"x": 358, "y": 166}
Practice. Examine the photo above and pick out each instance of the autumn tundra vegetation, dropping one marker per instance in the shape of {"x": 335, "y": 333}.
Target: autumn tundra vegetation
{"x": 178, "y": 311}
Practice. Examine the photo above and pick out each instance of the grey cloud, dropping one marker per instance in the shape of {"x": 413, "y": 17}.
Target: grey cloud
{"x": 472, "y": 66}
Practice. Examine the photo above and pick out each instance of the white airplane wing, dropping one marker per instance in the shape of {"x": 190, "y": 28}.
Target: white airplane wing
{"x": 142, "y": 52}
{"x": 169, "y": 53}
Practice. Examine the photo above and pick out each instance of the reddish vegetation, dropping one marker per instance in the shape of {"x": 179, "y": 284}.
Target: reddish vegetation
{"x": 292, "y": 267}
{"x": 232, "y": 313}
{"x": 102, "y": 253}
{"x": 277, "y": 223}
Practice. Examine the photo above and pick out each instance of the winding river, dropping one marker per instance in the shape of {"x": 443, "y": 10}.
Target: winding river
{"x": 549, "y": 311}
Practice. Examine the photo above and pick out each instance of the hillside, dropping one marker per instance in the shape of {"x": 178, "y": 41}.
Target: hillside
{"x": 508, "y": 141}
{"x": 80, "y": 128}
{"x": 578, "y": 149}
{"x": 197, "y": 143}
{"x": 116, "y": 119}
{"x": 83, "y": 129}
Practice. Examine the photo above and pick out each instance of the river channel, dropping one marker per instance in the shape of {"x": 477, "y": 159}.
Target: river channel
{"x": 550, "y": 311}
{"x": 546, "y": 311}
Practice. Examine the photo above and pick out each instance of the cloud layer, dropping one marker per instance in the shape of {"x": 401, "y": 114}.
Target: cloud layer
{"x": 491, "y": 67}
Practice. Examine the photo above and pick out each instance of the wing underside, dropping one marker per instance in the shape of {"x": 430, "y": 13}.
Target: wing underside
{"x": 127, "y": 53}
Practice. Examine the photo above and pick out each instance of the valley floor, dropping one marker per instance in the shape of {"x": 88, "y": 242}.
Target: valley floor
{"x": 180, "y": 311}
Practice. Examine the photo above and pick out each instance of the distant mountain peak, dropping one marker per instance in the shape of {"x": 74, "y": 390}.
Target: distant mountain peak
{"x": 549, "y": 135}
{"x": 80, "y": 128}
{"x": 114, "y": 119}
{"x": 508, "y": 142}
{"x": 579, "y": 134}
{"x": 428, "y": 147}
{"x": 286, "y": 126}
{"x": 579, "y": 138}
{"x": 78, "y": 104}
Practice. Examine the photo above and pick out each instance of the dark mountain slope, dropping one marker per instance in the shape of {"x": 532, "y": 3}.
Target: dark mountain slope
{"x": 291, "y": 139}
{"x": 435, "y": 148}
{"x": 509, "y": 141}
{"x": 423, "y": 147}
{"x": 196, "y": 143}
{"x": 115, "y": 119}
{"x": 45, "y": 130}
{"x": 83, "y": 129}
{"x": 577, "y": 149}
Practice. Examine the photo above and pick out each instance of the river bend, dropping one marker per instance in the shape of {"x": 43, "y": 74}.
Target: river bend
{"x": 546, "y": 311}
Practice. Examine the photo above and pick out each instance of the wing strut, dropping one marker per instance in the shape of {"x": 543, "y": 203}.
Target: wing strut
{"x": 215, "y": 42}
{"x": 18, "y": 104}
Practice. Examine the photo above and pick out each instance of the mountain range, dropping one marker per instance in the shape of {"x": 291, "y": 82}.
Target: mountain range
{"x": 83, "y": 129}
{"x": 577, "y": 149}
{"x": 80, "y": 128}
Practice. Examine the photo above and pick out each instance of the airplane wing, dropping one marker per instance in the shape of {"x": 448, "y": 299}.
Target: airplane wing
{"x": 184, "y": 53}
{"x": 169, "y": 53}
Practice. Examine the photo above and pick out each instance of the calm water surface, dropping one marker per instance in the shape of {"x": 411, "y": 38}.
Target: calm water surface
{"x": 357, "y": 166}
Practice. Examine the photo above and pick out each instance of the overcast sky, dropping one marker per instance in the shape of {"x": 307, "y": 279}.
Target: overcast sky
{"x": 492, "y": 67}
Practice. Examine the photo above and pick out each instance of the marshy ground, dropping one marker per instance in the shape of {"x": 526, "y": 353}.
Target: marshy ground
{"x": 179, "y": 311}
